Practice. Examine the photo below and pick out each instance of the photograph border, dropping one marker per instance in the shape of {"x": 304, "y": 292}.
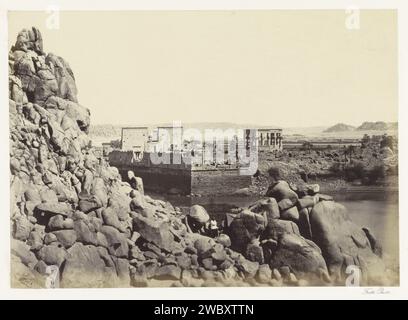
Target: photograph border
{"x": 248, "y": 293}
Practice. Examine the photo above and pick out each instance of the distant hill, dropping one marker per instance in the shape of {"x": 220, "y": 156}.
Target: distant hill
{"x": 379, "y": 125}
{"x": 365, "y": 126}
{"x": 340, "y": 127}
{"x": 107, "y": 132}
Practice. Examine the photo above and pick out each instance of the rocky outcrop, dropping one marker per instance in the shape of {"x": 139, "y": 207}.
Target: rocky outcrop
{"x": 85, "y": 267}
{"x": 343, "y": 243}
{"x": 306, "y": 233}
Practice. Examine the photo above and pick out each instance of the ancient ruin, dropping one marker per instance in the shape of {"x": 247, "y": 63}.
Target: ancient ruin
{"x": 270, "y": 139}
{"x": 75, "y": 223}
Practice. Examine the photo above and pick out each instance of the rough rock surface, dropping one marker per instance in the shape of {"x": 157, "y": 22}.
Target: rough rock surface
{"x": 84, "y": 267}
{"x": 343, "y": 243}
{"x": 312, "y": 236}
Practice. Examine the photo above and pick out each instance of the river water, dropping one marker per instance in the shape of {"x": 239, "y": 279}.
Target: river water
{"x": 379, "y": 212}
{"x": 376, "y": 210}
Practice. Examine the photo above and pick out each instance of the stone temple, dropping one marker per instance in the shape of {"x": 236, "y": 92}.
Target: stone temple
{"x": 270, "y": 139}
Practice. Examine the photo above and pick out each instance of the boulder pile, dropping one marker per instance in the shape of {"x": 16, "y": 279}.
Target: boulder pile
{"x": 297, "y": 230}
{"x": 76, "y": 223}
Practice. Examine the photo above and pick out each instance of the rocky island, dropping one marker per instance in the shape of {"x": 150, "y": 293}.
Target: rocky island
{"x": 74, "y": 219}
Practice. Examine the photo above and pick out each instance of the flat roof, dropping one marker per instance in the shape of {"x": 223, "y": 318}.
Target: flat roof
{"x": 169, "y": 127}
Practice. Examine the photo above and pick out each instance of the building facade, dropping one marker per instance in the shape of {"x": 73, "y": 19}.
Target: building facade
{"x": 134, "y": 138}
{"x": 171, "y": 137}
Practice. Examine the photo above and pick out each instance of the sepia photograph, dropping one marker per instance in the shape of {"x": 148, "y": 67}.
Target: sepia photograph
{"x": 203, "y": 148}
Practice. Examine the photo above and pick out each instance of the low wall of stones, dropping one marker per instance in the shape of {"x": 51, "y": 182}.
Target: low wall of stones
{"x": 179, "y": 178}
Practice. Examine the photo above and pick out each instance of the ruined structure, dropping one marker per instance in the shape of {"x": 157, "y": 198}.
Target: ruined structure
{"x": 134, "y": 138}
{"x": 270, "y": 139}
{"x": 203, "y": 176}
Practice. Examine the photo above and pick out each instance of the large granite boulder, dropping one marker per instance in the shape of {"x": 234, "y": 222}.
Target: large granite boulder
{"x": 22, "y": 251}
{"x": 22, "y": 277}
{"x": 243, "y": 228}
{"x": 85, "y": 268}
{"x": 52, "y": 254}
{"x": 266, "y": 207}
{"x": 343, "y": 243}
{"x": 291, "y": 250}
{"x": 117, "y": 242}
{"x": 29, "y": 39}
{"x": 64, "y": 76}
{"x": 281, "y": 190}
{"x": 155, "y": 231}
{"x": 198, "y": 215}
{"x": 300, "y": 255}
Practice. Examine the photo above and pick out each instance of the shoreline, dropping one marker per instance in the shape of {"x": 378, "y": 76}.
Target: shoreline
{"x": 363, "y": 189}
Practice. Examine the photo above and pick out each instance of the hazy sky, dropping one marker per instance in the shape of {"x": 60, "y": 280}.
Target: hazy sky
{"x": 285, "y": 68}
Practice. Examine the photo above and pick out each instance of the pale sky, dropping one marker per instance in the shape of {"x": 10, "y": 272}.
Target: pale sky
{"x": 284, "y": 68}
